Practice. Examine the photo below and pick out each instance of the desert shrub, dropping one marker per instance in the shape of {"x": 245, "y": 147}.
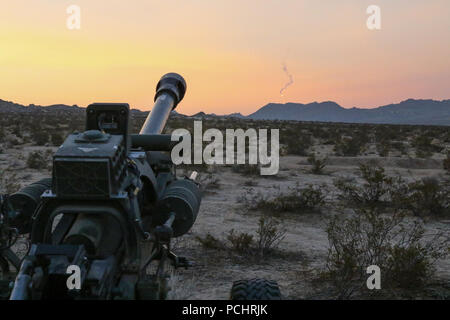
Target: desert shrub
{"x": 17, "y": 131}
{"x": 37, "y": 160}
{"x": 250, "y": 183}
{"x": 269, "y": 235}
{"x": 400, "y": 146}
{"x": 298, "y": 144}
{"x": 383, "y": 148}
{"x": 409, "y": 268}
{"x": 57, "y": 139}
{"x": 317, "y": 164}
{"x": 395, "y": 245}
{"x": 8, "y": 181}
{"x": 40, "y": 137}
{"x": 246, "y": 169}
{"x": 12, "y": 141}
{"x": 427, "y": 198}
{"x": 424, "y": 147}
{"x": 210, "y": 242}
{"x": 240, "y": 242}
{"x": 209, "y": 182}
{"x": 376, "y": 190}
{"x": 349, "y": 147}
{"x": 297, "y": 200}
{"x": 446, "y": 163}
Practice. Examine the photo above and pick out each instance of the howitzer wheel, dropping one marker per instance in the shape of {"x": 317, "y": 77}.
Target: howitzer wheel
{"x": 255, "y": 289}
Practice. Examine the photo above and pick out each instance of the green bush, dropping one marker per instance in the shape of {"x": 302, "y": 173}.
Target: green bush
{"x": 297, "y": 143}
{"x": 349, "y": 147}
{"x": 376, "y": 190}
{"x": 383, "y": 148}
{"x": 210, "y": 242}
{"x": 37, "y": 160}
{"x": 40, "y": 137}
{"x": 424, "y": 147}
{"x": 446, "y": 163}
{"x": 428, "y": 198}
{"x": 8, "y": 182}
{"x": 390, "y": 242}
{"x": 240, "y": 242}
{"x": 269, "y": 235}
{"x": 297, "y": 200}
{"x": 247, "y": 169}
{"x": 57, "y": 139}
{"x": 317, "y": 164}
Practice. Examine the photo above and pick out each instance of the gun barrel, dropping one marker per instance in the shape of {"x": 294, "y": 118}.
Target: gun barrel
{"x": 169, "y": 92}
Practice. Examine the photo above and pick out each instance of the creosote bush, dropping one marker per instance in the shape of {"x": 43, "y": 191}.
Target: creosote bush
{"x": 37, "y": 160}
{"x": 317, "y": 164}
{"x": 8, "y": 182}
{"x": 424, "y": 146}
{"x": 349, "y": 147}
{"x": 209, "y": 182}
{"x": 297, "y": 143}
{"x": 446, "y": 163}
{"x": 376, "y": 190}
{"x": 396, "y": 245}
{"x": 427, "y": 197}
{"x": 266, "y": 239}
{"x": 57, "y": 139}
{"x": 247, "y": 169}
{"x": 210, "y": 242}
{"x": 240, "y": 242}
{"x": 269, "y": 235}
{"x": 40, "y": 137}
{"x": 296, "y": 199}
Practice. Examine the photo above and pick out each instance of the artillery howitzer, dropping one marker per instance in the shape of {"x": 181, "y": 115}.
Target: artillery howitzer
{"x": 110, "y": 210}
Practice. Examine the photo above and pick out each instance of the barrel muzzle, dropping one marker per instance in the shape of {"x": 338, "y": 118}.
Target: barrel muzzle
{"x": 169, "y": 92}
{"x": 174, "y": 84}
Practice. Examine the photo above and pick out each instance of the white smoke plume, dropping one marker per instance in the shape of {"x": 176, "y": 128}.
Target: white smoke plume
{"x": 291, "y": 79}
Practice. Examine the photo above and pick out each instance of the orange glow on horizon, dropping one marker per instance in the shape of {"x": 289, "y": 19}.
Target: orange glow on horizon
{"x": 231, "y": 59}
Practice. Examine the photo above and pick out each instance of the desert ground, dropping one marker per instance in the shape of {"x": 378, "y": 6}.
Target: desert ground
{"x": 303, "y": 251}
{"x": 298, "y": 262}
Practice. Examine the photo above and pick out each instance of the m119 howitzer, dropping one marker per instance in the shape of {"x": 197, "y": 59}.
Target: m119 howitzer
{"x": 111, "y": 208}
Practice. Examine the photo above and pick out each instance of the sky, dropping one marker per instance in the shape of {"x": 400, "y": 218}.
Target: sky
{"x": 232, "y": 53}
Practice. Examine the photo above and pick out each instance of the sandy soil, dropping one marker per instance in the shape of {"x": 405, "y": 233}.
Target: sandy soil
{"x": 304, "y": 249}
{"x": 302, "y": 252}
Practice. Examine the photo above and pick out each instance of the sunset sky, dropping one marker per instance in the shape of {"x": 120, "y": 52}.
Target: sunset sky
{"x": 231, "y": 52}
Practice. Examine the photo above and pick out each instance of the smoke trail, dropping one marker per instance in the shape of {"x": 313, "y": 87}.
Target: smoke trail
{"x": 291, "y": 79}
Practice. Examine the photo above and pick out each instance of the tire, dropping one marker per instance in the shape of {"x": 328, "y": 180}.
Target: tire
{"x": 255, "y": 289}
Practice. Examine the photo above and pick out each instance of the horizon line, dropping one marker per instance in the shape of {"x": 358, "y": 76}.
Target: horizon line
{"x": 279, "y": 103}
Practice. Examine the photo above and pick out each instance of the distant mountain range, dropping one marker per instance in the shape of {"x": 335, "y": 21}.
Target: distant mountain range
{"x": 431, "y": 112}
{"x": 406, "y": 112}
{"x": 11, "y": 107}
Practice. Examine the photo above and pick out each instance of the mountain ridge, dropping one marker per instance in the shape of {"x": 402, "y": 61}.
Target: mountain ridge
{"x": 410, "y": 111}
